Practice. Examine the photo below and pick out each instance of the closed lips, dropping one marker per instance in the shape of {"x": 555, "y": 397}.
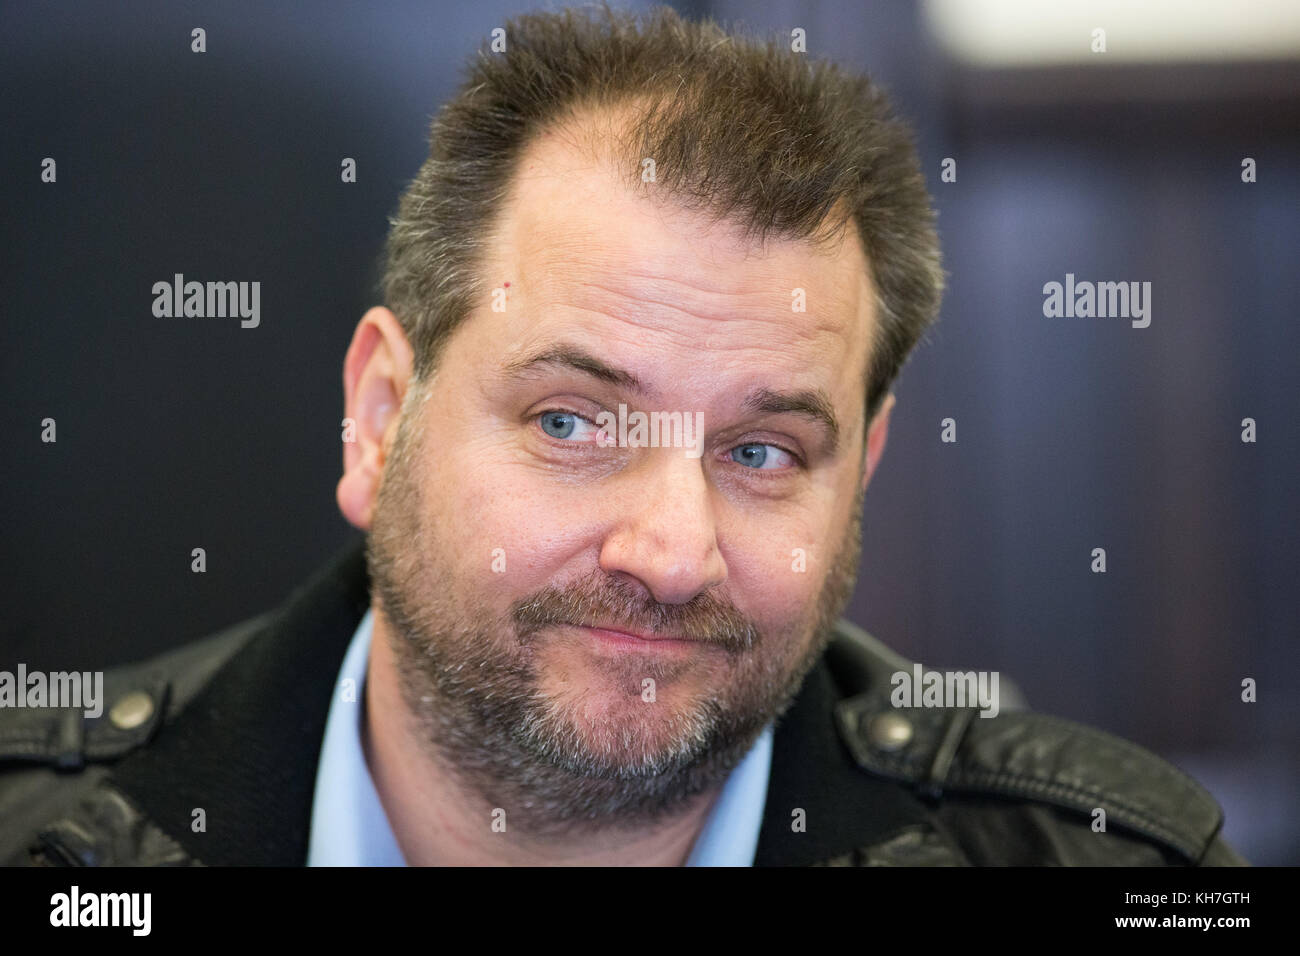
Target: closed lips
{"x": 638, "y": 635}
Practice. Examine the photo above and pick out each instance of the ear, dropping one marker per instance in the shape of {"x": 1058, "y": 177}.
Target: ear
{"x": 877, "y": 434}
{"x": 376, "y": 373}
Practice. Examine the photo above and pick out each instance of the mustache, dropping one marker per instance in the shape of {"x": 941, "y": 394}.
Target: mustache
{"x": 597, "y": 599}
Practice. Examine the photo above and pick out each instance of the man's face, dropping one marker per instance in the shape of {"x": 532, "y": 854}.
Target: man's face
{"x": 506, "y": 529}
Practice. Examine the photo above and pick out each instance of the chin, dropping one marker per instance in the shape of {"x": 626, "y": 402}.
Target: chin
{"x": 624, "y": 731}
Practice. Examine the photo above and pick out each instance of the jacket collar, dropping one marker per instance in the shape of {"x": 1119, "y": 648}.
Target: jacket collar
{"x": 245, "y": 750}
{"x": 845, "y": 812}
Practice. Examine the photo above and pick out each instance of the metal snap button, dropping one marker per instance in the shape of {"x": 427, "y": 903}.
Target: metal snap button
{"x": 131, "y": 710}
{"x": 889, "y": 731}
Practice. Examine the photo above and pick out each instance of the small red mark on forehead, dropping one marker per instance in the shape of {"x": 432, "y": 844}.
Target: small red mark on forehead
{"x": 507, "y": 285}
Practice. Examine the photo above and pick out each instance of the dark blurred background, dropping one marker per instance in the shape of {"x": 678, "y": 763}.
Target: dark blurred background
{"x": 1072, "y": 433}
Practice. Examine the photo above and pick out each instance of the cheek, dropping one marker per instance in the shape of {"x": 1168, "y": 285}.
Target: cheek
{"x": 775, "y": 573}
{"x": 509, "y": 529}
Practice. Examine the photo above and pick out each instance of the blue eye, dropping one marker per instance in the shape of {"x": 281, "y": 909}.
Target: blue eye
{"x": 566, "y": 426}
{"x": 559, "y": 424}
{"x": 761, "y": 457}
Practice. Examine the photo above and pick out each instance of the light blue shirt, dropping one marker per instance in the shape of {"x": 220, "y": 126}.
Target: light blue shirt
{"x": 350, "y": 828}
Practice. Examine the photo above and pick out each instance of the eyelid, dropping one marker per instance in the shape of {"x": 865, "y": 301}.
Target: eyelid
{"x": 798, "y": 462}
{"x": 785, "y": 445}
{"x": 536, "y": 418}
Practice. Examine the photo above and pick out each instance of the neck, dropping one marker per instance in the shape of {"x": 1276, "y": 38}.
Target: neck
{"x": 438, "y": 821}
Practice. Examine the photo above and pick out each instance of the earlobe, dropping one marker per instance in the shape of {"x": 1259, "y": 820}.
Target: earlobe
{"x": 376, "y": 372}
{"x": 355, "y": 495}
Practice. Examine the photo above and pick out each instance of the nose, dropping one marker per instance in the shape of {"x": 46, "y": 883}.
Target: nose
{"x": 666, "y": 533}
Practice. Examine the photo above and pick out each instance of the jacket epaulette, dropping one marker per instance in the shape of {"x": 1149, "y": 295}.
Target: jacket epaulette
{"x": 138, "y": 699}
{"x": 1020, "y": 755}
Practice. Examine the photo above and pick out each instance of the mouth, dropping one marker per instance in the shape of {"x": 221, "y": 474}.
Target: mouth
{"x": 642, "y": 640}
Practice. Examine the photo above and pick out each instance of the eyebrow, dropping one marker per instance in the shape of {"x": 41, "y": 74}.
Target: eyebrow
{"x": 578, "y": 359}
{"x": 813, "y": 404}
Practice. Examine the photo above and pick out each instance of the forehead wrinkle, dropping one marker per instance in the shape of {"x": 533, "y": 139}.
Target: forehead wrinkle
{"x": 723, "y": 267}
{"x": 761, "y": 295}
{"x": 644, "y": 301}
{"x": 631, "y": 328}
{"x": 606, "y": 290}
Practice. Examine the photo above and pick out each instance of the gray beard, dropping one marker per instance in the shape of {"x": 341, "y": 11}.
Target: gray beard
{"x": 481, "y": 717}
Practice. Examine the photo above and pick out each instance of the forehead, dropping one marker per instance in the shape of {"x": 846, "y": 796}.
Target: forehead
{"x": 586, "y": 252}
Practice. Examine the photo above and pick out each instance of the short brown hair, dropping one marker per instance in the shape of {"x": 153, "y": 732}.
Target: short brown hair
{"x": 753, "y": 132}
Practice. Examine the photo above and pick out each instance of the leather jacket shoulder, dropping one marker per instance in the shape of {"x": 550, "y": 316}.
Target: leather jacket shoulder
{"x": 1018, "y": 788}
{"x": 854, "y": 781}
{"x": 56, "y": 803}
